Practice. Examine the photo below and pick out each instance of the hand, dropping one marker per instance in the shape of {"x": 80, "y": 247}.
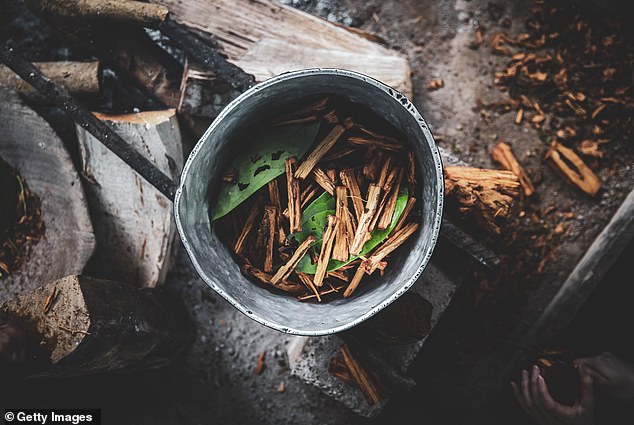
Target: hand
{"x": 532, "y": 394}
{"x": 611, "y": 374}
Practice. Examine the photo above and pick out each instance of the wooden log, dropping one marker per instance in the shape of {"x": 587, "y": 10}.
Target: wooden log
{"x": 503, "y": 155}
{"x": 572, "y": 168}
{"x": 94, "y": 326}
{"x": 251, "y": 33}
{"x": 30, "y": 146}
{"x": 79, "y": 78}
{"x": 133, "y": 220}
{"x": 116, "y": 11}
{"x": 486, "y": 196}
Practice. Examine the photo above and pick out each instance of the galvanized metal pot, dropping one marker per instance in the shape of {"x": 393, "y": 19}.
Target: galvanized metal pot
{"x": 202, "y": 176}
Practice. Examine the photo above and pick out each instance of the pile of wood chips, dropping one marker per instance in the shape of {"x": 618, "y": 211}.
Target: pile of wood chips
{"x": 570, "y": 75}
{"x": 365, "y": 172}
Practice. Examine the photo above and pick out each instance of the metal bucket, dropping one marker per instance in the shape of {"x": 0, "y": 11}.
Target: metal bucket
{"x": 202, "y": 178}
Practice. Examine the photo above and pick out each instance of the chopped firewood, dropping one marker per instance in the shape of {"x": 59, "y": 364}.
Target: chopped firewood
{"x": 572, "y": 168}
{"x": 321, "y": 150}
{"x": 356, "y": 279}
{"x": 327, "y": 243}
{"x": 284, "y": 271}
{"x": 323, "y": 180}
{"x": 486, "y": 195}
{"x": 339, "y": 370}
{"x": 246, "y": 229}
{"x": 294, "y": 200}
{"x": 374, "y": 193}
{"x": 130, "y": 12}
{"x": 394, "y": 241}
{"x": 349, "y": 179}
{"x": 503, "y": 154}
{"x": 308, "y": 282}
{"x": 290, "y": 287}
{"x": 411, "y": 171}
{"x": 275, "y": 200}
{"x": 80, "y": 78}
{"x": 372, "y": 163}
{"x": 259, "y": 367}
{"x": 411, "y": 201}
{"x": 340, "y": 250}
{"x": 339, "y": 274}
{"x": 376, "y": 143}
{"x": 435, "y": 84}
{"x": 390, "y": 206}
{"x": 361, "y": 377}
{"x": 321, "y": 293}
{"x": 271, "y": 221}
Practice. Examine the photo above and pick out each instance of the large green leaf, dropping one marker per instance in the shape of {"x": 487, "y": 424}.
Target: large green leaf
{"x": 262, "y": 160}
{"x": 314, "y": 221}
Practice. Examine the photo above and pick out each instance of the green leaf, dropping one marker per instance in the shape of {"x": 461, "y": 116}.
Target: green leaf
{"x": 314, "y": 221}
{"x": 262, "y": 161}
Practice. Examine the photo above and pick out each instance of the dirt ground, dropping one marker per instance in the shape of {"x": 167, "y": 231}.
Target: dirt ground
{"x": 437, "y": 38}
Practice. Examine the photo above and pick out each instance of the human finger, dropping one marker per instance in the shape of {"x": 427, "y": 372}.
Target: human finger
{"x": 518, "y": 395}
{"x": 587, "y": 391}
{"x": 525, "y": 390}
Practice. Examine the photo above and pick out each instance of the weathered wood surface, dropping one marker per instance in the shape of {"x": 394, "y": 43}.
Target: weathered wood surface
{"x": 92, "y": 326}
{"x": 133, "y": 221}
{"x": 80, "y": 78}
{"x": 265, "y": 38}
{"x": 31, "y": 146}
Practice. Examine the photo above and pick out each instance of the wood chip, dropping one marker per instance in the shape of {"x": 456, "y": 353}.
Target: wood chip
{"x": 294, "y": 200}
{"x": 290, "y": 287}
{"x": 356, "y": 279}
{"x": 376, "y": 143}
{"x": 390, "y": 206}
{"x": 284, "y": 271}
{"x": 324, "y": 180}
{"x": 435, "y": 84}
{"x": 271, "y": 214}
{"x": 411, "y": 201}
{"x": 327, "y": 243}
{"x": 320, "y": 151}
{"x": 248, "y": 226}
{"x": 394, "y": 241}
{"x": 308, "y": 282}
{"x": 572, "y": 168}
{"x": 260, "y": 366}
{"x": 340, "y": 250}
{"x": 374, "y": 193}
{"x": 361, "y": 377}
{"x": 503, "y": 155}
{"x": 349, "y": 179}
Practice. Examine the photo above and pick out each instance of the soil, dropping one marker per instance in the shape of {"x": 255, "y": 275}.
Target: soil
{"x": 456, "y": 367}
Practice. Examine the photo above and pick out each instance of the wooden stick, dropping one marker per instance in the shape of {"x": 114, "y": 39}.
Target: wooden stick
{"x": 503, "y": 154}
{"x": 390, "y": 206}
{"x": 308, "y": 194}
{"x": 572, "y": 168}
{"x": 411, "y": 201}
{"x": 356, "y": 279}
{"x": 411, "y": 171}
{"x": 339, "y": 274}
{"x": 271, "y": 214}
{"x": 284, "y": 271}
{"x": 394, "y": 241}
{"x": 248, "y": 225}
{"x": 324, "y": 292}
{"x": 323, "y": 180}
{"x": 327, "y": 240}
{"x": 339, "y": 153}
{"x": 360, "y": 376}
{"x": 374, "y": 192}
{"x": 290, "y": 287}
{"x": 340, "y": 251}
{"x": 309, "y": 111}
{"x": 80, "y": 78}
{"x": 321, "y": 150}
{"x": 372, "y": 163}
{"x": 128, "y": 11}
{"x": 349, "y": 179}
{"x": 376, "y": 143}
{"x": 303, "y": 277}
{"x": 294, "y": 200}
{"x": 386, "y": 168}
{"x": 376, "y": 135}
{"x": 275, "y": 200}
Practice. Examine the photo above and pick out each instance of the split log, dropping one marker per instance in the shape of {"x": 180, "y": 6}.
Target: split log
{"x": 117, "y": 11}
{"x": 80, "y": 78}
{"x": 572, "y": 168}
{"x": 94, "y": 326}
{"x": 486, "y": 196}
{"x": 30, "y": 146}
{"x": 503, "y": 155}
{"x": 250, "y": 33}
{"x": 133, "y": 220}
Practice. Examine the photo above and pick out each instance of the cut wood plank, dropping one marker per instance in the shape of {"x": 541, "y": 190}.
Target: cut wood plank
{"x": 133, "y": 220}
{"x": 253, "y": 32}
{"x": 80, "y": 78}
{"x": 31, "y": 146}
{"x": 94, "y": 326}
